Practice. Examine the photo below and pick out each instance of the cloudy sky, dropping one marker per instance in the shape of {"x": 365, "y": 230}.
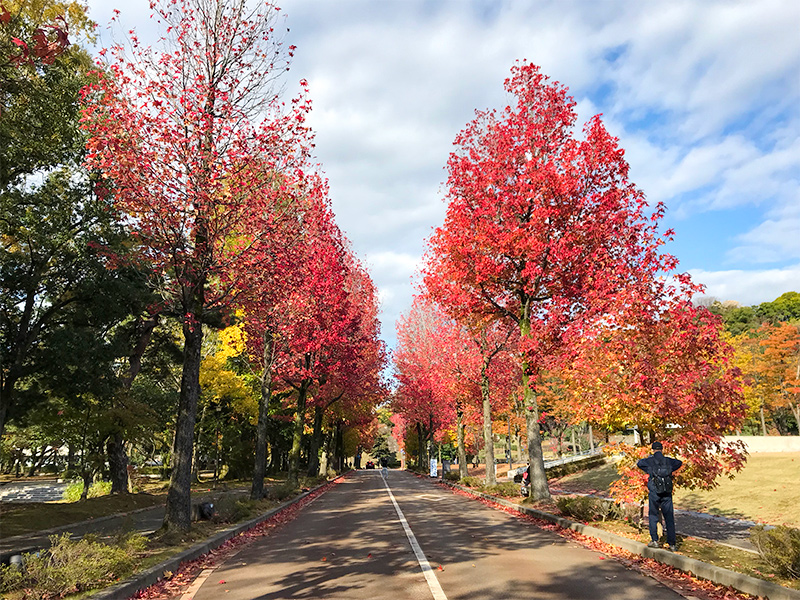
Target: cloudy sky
{"x": 704, "y": 96}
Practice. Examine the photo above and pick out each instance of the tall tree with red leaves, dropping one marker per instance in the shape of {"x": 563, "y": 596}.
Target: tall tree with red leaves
{"x": 193, "y": 139}
{"x": 542, "y": 228}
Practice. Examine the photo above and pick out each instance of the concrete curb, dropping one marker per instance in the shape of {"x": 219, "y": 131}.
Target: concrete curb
{"x": 718, "y": 575}
{"x": 140, "y": 581}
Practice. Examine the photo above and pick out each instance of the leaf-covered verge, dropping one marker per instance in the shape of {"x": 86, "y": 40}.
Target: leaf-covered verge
{"x": 52, "y": 576}
{"x": 620, "y": 522}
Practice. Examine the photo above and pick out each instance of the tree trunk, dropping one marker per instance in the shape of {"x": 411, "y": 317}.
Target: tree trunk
{"x": 420, "y": 443}
{"x": 539, "y": 488}
{"x": 326, "y": 455}
{"x": 591, "y": 438}
{"x": 118, "y": 463}
{"x": 462, "y": 449}
{"x": 260, "y": 461}
{"x": 488, "y": 439}
{"x": 339, "y": 446}
{"x": 7, "y": 382}
{"x": 35, "y": 460}
{"x": 297, "y": 434}
{"x": 316, "y": 442}
{"x": 178, "y": 513}
{"x": 86, "y": 475}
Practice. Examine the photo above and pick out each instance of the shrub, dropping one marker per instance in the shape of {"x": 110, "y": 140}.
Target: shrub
{"x": 74, "y": 489}
{"x": 586, "y": 508}
{"x": 506, "y": 489}
{"x": 779, "y": 547}
{"x": 452, "y": 476}
{"x": 71, "y": 566}
{"x": 472, "y": 482}
{"x": 281, "y": 492}
{"x": 230, "y": 510}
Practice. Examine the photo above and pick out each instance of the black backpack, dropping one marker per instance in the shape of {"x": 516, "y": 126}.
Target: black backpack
{"x": 661, "y": 476}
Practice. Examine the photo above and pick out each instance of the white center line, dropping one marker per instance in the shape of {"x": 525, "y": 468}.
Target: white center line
{"x": 427, "y": 571}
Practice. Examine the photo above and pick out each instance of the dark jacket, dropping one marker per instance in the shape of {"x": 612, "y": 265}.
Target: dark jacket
{"x": 649, "y": 463}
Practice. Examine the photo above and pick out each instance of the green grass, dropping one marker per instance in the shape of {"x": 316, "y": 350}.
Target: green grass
{"x": 734, "y": 559}
{"x": 766, "y": 490}
{"x": 18, "y": 518}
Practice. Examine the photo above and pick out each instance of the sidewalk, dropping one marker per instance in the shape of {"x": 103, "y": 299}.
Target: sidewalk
{"x": 143, "y": 520}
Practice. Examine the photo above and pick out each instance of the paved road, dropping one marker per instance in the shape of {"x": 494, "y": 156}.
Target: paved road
{"x": 33, "y": 491}
{"x": 351, "y": 543}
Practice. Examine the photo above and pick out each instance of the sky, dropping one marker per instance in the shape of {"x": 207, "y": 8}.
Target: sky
{"x": 703, "y": 95}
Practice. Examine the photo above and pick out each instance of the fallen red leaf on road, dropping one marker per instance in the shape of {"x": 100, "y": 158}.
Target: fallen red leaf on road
{"x": 324, "y": 558}
{"x": 222, "y": 581}
{"x": 174, "y": 586}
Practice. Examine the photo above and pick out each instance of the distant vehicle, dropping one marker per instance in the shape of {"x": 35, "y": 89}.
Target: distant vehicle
{"x": 370, "y": 464}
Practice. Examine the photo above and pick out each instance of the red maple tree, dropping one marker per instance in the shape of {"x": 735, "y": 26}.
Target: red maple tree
{"x": 193, "y": 141}
{"x": 542, "y": 228}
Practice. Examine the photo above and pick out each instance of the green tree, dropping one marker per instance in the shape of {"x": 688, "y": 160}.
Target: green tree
{"x": 48, "y": 219}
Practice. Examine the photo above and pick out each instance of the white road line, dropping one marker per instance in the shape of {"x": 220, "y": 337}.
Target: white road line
{"x": 427, "y": 571}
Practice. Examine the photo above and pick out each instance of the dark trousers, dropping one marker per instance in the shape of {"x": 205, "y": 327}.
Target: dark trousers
{"x": 663, "y": 504}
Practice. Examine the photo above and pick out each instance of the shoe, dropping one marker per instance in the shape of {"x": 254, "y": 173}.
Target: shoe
{"x": 673, "y": 547}
{"x": 653, "y": 545}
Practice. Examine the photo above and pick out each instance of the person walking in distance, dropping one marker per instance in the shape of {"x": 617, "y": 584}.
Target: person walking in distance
{"x": 659, "y": 469}
{"x": 384, "y": 466}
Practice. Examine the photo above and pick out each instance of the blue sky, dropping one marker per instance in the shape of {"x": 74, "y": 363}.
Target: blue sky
{"x": 704, "y": 96}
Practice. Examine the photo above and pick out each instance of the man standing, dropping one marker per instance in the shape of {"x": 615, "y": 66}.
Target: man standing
{"x": 659, "y": 468}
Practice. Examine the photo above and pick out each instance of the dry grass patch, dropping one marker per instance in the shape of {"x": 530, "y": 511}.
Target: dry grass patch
{"x": 766, "y": 490}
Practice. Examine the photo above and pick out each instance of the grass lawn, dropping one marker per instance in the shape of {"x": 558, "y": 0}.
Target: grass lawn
{"x": 18, "y": 518}
{"x": 766, "y": 490}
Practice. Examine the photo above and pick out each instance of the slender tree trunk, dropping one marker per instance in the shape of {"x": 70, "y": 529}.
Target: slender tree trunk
{"x": 326, "y": 455}
{"x": 316, "y": 442}
{"x": 178, "y": 513}
{"x": 763, "y": 421}
{"x": 420, "y": 449}
{"x": 117, "y": 457}
{"x": 488, "y": 438}
{"x": 196, "y": 448}
{"x": 591, "y": 438}
{"x": 462, "y": 449}
{"x": 297, "y": 434}
{"x": 35, "y": 460}
{"x": 7, "y": 382}
{"x": 118, "y": 463}
{"x": 260, "y": 461}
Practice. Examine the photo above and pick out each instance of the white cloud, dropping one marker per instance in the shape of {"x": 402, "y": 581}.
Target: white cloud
{"x": 701, "y": 93}
{"x": 749, "y": 287}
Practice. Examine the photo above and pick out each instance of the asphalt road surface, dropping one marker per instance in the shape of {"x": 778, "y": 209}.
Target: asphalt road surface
{"x": 370, "y": 538}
